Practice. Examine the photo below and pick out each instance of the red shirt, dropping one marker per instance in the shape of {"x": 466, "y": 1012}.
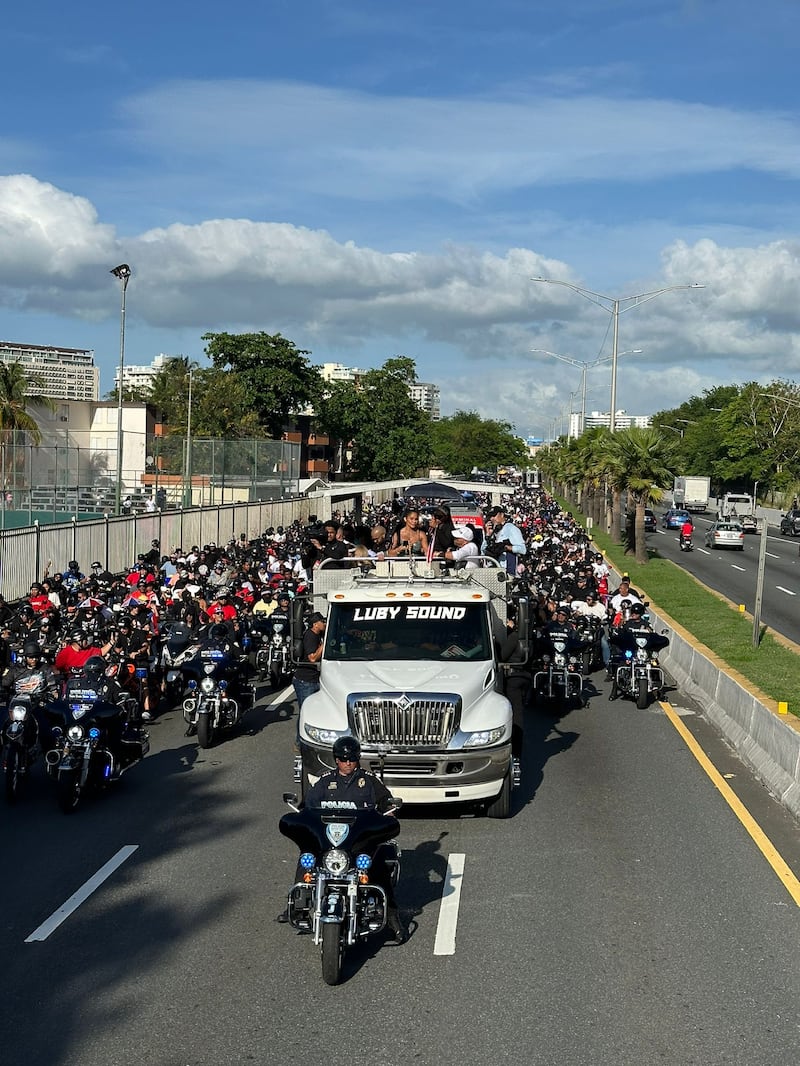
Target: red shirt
{"x": 71, "y": 658}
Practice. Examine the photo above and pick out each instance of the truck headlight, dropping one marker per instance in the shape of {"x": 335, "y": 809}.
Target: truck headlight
{"x": 484, "y": 737}
{"x": 323, "y": 736}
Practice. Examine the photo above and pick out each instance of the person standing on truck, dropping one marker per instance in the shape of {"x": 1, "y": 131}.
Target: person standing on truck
{"x": 306, "y": 674}
{"x": 508, "y": 537}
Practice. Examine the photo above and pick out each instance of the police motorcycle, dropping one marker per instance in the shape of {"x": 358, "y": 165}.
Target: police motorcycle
{"x": 560, "y": 652}
{"x": 590, "y": 630}
{"x": 335, "y": 901}
{"x": 94, "y": 741}
{"x": 179, "y": 644}
{"x": 277, "y": 656}
{"x": 210, "y": 707}
{"x": 20, "y": 736}
{"x": 636, "y": 672}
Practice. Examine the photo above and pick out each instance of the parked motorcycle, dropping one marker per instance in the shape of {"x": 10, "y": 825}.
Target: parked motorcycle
{"x": 560, "y": 678}
{"x": 94, "y": 743}
{"x": 20, "y": 742}
{"x": 336, "y": 901}
{"x": 210, "y": 706}
{"x": 638, "y": 676}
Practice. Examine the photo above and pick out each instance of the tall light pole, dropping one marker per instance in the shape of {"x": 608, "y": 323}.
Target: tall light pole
{"x": 123, "y": 272}
{"x": 584, "y": 366}
{"x": 187, "y": 479}
{"x": 615, "y": 307}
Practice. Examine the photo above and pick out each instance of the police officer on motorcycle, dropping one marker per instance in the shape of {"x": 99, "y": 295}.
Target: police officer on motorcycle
{"x": 35, "y": 680}
{"x": 349, "y": 787}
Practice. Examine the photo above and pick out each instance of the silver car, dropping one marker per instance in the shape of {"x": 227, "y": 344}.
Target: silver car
{"x": 725, "y": 535}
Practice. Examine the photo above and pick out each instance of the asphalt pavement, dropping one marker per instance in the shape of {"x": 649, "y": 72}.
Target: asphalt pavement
{"x": 622, "y": 915}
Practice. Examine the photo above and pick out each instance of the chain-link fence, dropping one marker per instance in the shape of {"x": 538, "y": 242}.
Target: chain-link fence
{"x": 51, "y": 482}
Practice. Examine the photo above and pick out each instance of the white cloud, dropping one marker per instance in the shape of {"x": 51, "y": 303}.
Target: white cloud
{"x": 457, "y": 308}
{"x": 355, "y": 145}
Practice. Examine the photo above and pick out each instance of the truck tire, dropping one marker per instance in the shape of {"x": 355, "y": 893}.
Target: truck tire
{"x": 500, "y": 806}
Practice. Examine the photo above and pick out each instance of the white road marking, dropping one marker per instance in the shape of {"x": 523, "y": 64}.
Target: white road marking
{"x": 705, "y": 551}
{"x": 445, "y": 943}
{"x": 83, "y": 893}
{"x": 788, "y": 592}
{"x": 742, "y": 569}
{"x": 772, "y": 556}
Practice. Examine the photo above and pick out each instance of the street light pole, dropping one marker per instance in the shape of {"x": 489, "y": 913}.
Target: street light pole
{"x": 187, "y": 479}
{"x": 613, "y": 305}
{"x": 584, "y": 366}
{"x": 123, "y": 272}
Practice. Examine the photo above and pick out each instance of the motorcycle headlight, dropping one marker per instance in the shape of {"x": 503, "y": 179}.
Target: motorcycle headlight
{"x": 484, "y": 737}
{"x": 223, "y": 684}
{"x": 18, "y": 713}
{"x": 307, "y": 860}
{"x": 363, "y": 862}
{"x": 207, "y": 685}
{"x": 336, "y": 861}
{"x": 75, "y": 732}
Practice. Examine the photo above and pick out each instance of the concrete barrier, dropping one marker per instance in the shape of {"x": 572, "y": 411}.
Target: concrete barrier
{"x": 768, "y": 742}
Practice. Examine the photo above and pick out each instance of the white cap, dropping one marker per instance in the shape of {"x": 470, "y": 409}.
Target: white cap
{"x": 462, "y": 533}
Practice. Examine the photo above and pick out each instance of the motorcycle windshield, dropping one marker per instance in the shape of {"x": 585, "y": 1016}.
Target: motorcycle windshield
{"x": 366, "y": 829}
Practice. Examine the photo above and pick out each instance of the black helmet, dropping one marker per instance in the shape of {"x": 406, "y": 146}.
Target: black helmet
{"x": 346, "y": 748}
{"x": 73, "y": 565}
{"x": 31, "y": 650}
{"x": 219, "y": 631}
{"x": 76, "y": 636}
{"x": 94, "y": 667}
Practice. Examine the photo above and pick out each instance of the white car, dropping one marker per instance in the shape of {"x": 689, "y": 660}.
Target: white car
{"x": 725, "y": 535}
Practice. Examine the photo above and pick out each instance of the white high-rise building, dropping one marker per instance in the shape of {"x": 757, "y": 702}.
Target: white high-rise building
{"x": 426, "y": 396}
{"x": 141, "y": 377}
{"x": 67, "y": 373}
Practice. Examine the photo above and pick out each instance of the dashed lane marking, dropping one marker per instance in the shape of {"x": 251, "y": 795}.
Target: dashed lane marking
{"x": 445, "y": 943}
{"x": 788, "y": 592}
{"x": 83, "y": 893}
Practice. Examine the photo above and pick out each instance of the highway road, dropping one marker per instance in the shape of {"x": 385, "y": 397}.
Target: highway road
{"x": 734, "y": 573}
{"x": 623, "y": 915}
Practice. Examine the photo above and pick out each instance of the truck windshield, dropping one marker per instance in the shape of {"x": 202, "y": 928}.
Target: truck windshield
{"x": 397, "y": 631}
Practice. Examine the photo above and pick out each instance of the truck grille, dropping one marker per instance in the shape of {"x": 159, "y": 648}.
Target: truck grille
{"x": 405, "y": 719}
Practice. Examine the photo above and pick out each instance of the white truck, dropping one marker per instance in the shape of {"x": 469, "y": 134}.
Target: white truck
{"x": 691, "y": 492}
{"x": 409, "y": 667}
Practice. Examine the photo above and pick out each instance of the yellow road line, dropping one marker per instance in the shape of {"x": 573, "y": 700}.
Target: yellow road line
{"x": 759, "y": 837}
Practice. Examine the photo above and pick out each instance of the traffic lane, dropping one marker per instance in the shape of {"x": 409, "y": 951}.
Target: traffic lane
{"x": 632, "y": 920}
{"x": 114, "y": 960}
{"x": 48, "y": 855}
{"x": 734, "y": 574}
{"x": 186, "y": 944}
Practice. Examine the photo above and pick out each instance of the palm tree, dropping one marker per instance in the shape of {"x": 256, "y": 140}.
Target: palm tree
{"x": 644, "y": 462}
{"x": 15, "y": 399}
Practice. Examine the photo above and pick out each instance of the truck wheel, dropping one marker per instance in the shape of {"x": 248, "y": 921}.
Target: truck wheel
{"x": 500, "y": 807}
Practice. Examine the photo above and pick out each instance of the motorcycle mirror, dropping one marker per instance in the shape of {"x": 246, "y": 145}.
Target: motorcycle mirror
{"x": 290, "y": 797}
{"x": 397, "y": 803}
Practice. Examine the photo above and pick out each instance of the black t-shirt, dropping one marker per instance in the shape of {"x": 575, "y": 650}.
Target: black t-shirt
{"x": 306, "y": 671}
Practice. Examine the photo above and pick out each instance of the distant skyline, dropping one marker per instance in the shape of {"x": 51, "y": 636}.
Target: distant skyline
{"x": 371, "y": 181}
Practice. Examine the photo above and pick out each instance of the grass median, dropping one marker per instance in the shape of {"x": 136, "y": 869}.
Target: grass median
{"x": 772, "y": 666}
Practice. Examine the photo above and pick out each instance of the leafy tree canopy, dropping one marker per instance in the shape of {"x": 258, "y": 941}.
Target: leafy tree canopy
{"x": 275, "y": 374}
{"x": 464, "y": 440}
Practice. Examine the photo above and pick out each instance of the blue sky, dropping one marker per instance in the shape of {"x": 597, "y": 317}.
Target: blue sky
{"x": 373, "y": 179}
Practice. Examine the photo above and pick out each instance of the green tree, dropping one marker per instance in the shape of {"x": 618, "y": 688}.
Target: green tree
{"x": 643, "y": 460}
{"x": 465, "y": 440}
{"x": 385, "y": 430}
{"x": 16, "y": 398}
{"x": 275, "y": 374}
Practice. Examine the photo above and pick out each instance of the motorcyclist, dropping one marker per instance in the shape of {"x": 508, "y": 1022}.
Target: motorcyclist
{"x": 348, "y": 788}
{"x": 687, "y": 529}
{"x": 36, "y": 680}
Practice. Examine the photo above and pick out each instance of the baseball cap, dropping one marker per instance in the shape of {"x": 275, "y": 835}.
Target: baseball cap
{"x": 462, "y": 533}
